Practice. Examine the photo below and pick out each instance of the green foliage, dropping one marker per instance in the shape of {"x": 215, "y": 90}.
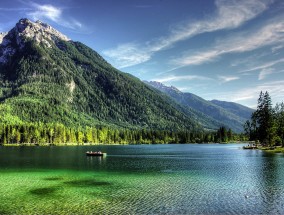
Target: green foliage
{"x": 58, "y": 134}
{"x": 73, "y": 85}
{"x": 279, "y": 123}
{"x": 6, "y": 115}
{"x": 267, "y": 123}
{"x": 210, "y": 114}
{"x": 224, "y": 135}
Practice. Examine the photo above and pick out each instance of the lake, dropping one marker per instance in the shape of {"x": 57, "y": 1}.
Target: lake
{"x": 141, "y": 179}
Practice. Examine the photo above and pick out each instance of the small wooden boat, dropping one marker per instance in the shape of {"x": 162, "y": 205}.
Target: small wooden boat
{"x": 98, "y": 154}
{"x": 249, "y": 147}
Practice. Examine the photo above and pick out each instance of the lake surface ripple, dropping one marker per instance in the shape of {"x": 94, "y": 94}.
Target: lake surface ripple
{"x": 141, "y": 179}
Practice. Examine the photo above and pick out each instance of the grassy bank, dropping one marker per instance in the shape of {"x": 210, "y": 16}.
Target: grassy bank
{"x": 273, "y": 149}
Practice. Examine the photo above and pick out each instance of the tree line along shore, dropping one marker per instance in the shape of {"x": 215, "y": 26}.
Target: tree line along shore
{"x": 266, "y": 126}
{"x": 58, "y": 134}
{"x": 265, "y": 129}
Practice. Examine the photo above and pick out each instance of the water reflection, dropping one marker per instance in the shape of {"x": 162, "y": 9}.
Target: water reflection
{"x": 167, "y": 179}
{"x": 96, "y": 161}
{"x": 271, "y": 184}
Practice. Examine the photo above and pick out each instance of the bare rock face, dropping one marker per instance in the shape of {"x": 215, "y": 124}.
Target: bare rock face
{"x": 2, "y": 35}
{"x": 38, "y": 31}
{"x": 28, "y": 30}
{"x": 162, "y": 87}
{"x": 6, "y": 49}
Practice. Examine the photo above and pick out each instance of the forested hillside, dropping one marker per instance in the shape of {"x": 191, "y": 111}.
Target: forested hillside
{"x": 213, "y": 113}
{"x": 47, "y": 78}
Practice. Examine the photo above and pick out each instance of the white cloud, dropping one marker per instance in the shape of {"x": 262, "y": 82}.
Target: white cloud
{"x": 264, "y": 65}
{"x": 276, "y": 48}
{"x": 173, "y": 78}
{"x": 126, "y": 55}
{"x": 275, "y": 89}
{"x": 229, "y": 14}
{"x": 271, "y": 34}
{"x": 45, "y": 11}
{"x": 264, "y": 73}
{"x": 50, "y": 12}
{"x": 248, "y": 60}
{"x": 197, "y": 59}
{"x": 248, "y": 96}
{"x": 225, "y": 79}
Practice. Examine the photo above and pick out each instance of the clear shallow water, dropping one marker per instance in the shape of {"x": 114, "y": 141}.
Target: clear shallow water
{"x": 141, "y": 179}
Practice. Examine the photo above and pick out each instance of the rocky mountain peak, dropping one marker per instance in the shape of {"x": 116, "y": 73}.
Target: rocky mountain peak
{"x": 25, "y": 30}
{"x": 38, "y": 31}
{"x": 162, "y": 87}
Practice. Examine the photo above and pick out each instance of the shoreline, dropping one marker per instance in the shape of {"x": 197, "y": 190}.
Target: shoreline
{"x": 275, "y": 150}
{"x": 52, "y": 144}
{"x": 109, "y": 144}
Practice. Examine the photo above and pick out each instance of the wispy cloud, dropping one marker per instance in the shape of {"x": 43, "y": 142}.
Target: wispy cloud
{"x": 126, "y": 55}
{"x": 249, "y": 95}
{"x": 249, "y": 60}
{"x": 15, "y": 9}
{"x": 275, "y": 89}
{"x": 173, "y": 78}
{"x": 45, "y": 11}
{"x": 225, "y": 79}
{"x": 277, "y": 48}
{"x": 270, "y": 34}
{"x": 53, "y": 13}
{"x": 264, "y": 73}
{"x": 263, "y": 66}
{"x": 229, "y": 14}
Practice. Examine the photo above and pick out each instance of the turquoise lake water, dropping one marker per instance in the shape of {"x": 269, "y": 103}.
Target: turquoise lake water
{"x": 141, "y": 179}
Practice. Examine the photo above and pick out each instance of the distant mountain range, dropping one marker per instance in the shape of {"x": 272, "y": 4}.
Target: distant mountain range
{"x": 213, "y": 113}
{"x": 46, "y": 77}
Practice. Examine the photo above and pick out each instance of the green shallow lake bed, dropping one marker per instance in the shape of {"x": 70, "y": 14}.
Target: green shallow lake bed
{"x": 155, "y": 179}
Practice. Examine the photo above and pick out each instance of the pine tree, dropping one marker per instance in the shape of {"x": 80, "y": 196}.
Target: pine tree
{"x": 264, "y": 118}
{"x": 279, "y": 121}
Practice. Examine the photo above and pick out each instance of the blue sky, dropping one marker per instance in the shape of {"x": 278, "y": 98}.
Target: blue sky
{"x": 217, "y": 49}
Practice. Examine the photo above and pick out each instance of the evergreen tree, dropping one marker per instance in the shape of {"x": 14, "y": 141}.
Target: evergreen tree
{"x": 279, "y": 122}
{"x": 262, "y": 126}
{"x": 264, "y": 119}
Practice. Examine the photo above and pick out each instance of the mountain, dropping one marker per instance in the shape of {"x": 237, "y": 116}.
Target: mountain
{"x": 46, "y": 77}
{"x": 215, "y": 112}
{"x": 238, "y": 109}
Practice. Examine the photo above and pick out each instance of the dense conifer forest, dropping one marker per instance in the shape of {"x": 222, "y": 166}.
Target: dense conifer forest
{"x": 267, "y": 122}
{"x": 58, "y": 134}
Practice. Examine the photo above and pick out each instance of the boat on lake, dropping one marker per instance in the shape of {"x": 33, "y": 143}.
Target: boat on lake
{"x": 99, "y": 154}
{"x": 250, "y": 146}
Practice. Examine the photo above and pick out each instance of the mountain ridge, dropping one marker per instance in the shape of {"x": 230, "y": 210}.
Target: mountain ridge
{"x": 46, "y": 77}
{"x": 214, "y": 110}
